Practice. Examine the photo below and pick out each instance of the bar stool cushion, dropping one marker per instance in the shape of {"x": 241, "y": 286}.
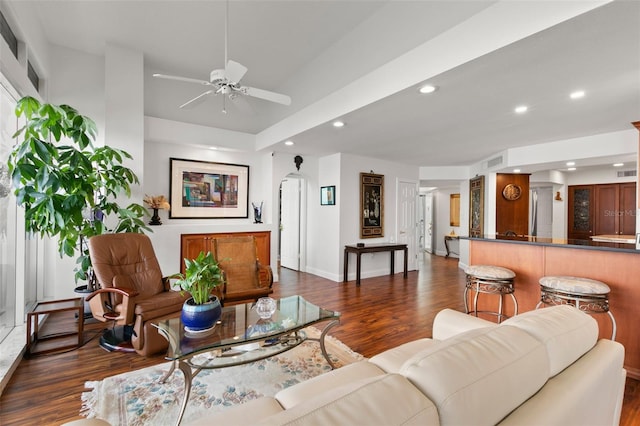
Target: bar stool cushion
{"x": 490, "y": 272}
{"x": 575, "y": 285}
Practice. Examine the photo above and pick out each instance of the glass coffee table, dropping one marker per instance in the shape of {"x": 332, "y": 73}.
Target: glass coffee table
{"x": 241, "y": 336}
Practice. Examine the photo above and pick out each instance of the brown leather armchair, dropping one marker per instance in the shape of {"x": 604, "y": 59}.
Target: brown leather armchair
{"x": 246, "y": 278}
{"x": 133, "y": 292}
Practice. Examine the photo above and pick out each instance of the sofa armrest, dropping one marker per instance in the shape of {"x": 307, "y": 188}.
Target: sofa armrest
{"x": 588, "y": 392}
{"x": 449, "y": 323}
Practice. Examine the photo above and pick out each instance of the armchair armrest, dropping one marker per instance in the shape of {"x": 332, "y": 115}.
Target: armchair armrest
{"x": 265, "y": 276}
{"x": 102, "y": 309}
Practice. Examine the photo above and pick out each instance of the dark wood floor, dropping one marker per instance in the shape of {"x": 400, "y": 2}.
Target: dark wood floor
{"x": 382, "y": 313}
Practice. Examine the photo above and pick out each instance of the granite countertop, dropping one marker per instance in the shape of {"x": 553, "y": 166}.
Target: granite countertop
{"x": 627, "y": 239}
{"x": 625, "y": 243}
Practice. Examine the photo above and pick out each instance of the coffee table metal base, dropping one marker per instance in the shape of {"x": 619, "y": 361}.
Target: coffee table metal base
{"x": 287, "y": 341}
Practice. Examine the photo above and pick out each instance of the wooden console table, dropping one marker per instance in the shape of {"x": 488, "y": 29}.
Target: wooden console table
{"x": 448, "y": 238}
{"x": 373, "y": 248}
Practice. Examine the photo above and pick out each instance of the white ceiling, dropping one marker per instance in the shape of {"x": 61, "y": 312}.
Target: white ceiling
{"x": 311, "y": 50}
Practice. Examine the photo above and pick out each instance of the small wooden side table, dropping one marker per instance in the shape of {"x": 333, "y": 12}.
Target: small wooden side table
{"x": 49, "y": 307}
{"x": 448, "y": 238}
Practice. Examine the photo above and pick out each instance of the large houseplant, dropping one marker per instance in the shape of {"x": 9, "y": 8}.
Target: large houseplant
{"x": 201, "y": 277}
{"x": 67, "y": 186}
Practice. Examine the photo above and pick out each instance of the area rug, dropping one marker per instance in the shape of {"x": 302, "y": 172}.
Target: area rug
{"x": 137, "y": 398}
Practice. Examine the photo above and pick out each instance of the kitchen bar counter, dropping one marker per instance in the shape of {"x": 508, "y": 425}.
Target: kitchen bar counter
{"x": 617, "y": 265}
{"x": 624, "y": 243}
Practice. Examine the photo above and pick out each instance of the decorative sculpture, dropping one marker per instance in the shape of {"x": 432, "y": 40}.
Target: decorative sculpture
{"x": 257, "y": 212}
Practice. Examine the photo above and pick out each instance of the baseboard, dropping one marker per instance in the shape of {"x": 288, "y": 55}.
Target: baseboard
{"x": 633, "y": 373}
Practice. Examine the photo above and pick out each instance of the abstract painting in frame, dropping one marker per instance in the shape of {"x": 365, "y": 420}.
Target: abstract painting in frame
{"x": 476, "y": 207}
{"x": 371, "y": 205}
{"x": 208, "y": 190}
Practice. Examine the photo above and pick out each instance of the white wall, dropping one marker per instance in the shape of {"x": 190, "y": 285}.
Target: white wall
{"x": 166, "y": 237}
{"x": 323, "y": 228}
{"x": 373, "y": 264}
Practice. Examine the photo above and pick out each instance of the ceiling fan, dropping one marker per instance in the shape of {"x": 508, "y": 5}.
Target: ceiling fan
{"x": 227, "y": 81}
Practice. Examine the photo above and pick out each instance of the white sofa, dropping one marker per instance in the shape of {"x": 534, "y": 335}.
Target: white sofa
{"x": 543, "y": 367}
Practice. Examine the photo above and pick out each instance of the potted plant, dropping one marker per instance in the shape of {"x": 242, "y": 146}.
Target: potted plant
{"x": 67, "y": 186}
{"x": 201, "y": 277}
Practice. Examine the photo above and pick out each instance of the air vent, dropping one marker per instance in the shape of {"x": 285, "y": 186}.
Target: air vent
{"x": 627, "y": 173}
{"x": 494, "y": 162}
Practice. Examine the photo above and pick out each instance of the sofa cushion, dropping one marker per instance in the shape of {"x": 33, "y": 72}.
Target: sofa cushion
{"x": 387, "y": 400}
{"x": 308, "y": 389}
{"x": 449, "y": 323}
{"x": 566, "y": 332}
{"x": 392, "y": 360}
{"x": 480, "y": 376}
{"x": 246, "y": 414}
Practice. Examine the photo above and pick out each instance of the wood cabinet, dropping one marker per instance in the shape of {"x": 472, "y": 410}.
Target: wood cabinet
{"x": 581, "y": 207}
{"x": 608, "y": 209}
{"x": 512, "y": 204}
{"x": 192, "y": 244}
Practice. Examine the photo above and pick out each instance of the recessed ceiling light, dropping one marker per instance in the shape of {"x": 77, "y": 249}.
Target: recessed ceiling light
{"x": 338, "y": 123}
{"x": 427, "y": 88}
{"x": 618, "y": 165}
{"x": 571, "y": 163}
{"x": 577, "y": 94}
{"x": 213, "y": 148}
{"x": 288, "y": 143}
{"x": 571, "y": 169}
{"x": 516, "y": 170}
{"x": 521, "y": 109}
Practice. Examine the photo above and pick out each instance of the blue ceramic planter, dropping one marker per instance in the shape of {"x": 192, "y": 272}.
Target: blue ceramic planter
{"x": 200, "y": 317}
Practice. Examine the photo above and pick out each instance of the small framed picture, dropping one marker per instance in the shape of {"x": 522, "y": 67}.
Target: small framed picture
{"x": 328, "y": 195}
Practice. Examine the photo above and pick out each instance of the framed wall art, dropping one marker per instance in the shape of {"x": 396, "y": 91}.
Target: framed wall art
{"x": 371, "y": 205}
{"x": 328, "y": 195}
{"x": 206, "y": 190}
{"x": 476, "y": 206}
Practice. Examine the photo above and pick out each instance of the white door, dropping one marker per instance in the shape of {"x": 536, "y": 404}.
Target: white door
{"x": 428, "y": 223}
{"x": 407, "y": 223}
{"x": 290, "y": 223}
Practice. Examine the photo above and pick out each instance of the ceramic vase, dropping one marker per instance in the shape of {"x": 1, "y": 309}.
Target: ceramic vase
{"x": 200, "y": 317}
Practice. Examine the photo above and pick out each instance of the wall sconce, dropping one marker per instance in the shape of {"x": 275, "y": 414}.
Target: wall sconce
{"x": 558, "y": 196}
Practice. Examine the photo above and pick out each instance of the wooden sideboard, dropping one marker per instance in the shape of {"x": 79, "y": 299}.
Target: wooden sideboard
{"x": 192, "y": 244}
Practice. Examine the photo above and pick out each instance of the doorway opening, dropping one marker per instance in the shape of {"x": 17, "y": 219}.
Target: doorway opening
{"x": 291, "y": 222}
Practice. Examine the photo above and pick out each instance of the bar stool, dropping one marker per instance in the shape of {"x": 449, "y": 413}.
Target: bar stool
{"x": 489, "y": 279}
{"x": 588, "y": 295}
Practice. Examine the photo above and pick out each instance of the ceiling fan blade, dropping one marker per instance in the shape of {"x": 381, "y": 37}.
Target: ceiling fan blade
{"x": 235, "y": 71}
{"x": 185, "y": 79}
{"x": 266, "y": 95}
{"x": 197, "y": 98}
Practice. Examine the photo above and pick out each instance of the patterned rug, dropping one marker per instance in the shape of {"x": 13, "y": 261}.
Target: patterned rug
{"x": 137, "y": 398}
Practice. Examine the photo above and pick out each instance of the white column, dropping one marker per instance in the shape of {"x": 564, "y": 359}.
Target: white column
{"x": 124, "y": 108}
